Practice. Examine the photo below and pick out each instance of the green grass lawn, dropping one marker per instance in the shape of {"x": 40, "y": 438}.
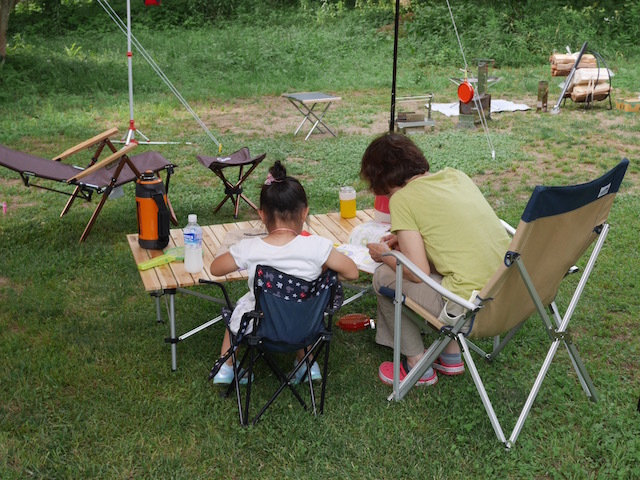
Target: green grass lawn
{"x": 87, "y": 390}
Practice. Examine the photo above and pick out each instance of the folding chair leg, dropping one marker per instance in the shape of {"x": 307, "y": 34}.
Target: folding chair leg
{"x": 498, "y": 345}
{"x": 481, "y": 390}
{"x": 533, "y": 393}
{"x": 581, "y": 371}
{"x": 403, "y": 387}
{"x": 72, "y": 198}
{"x": 123, "y": 161}
{"x": 234, "y": 191}
{"x": 221, "y": 203}
{"x": 584, "y": 377}
{"x": 94, "y": 217}
{"x": 321, "y": 344}
{"x": 236, "y": 383}
{"x": 558, "y": 334}
{"x": 252, "y": 361}
{"x": 284, "y": 382}
{"x": 312, "y": 393}
{"x": 172, "y": 213}
{"x": 325, "y": 378}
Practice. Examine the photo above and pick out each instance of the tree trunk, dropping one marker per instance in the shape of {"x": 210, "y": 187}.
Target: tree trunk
{"x": 6, "y": 7}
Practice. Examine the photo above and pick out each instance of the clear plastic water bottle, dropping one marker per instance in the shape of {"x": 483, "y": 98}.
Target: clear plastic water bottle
{"x": 193, "y": 245}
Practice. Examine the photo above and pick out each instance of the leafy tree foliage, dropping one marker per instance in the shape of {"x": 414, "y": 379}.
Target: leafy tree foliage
{"x": 513, "y": 32}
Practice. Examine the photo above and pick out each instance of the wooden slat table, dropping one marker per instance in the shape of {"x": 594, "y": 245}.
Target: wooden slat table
{"x": 170, "y": 278}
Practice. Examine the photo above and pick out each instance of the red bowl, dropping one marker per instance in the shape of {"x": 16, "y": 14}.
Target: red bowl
{"x": 353, "y": 322}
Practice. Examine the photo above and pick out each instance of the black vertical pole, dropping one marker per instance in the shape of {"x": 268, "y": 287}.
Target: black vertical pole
{"x": 395, "y": 67}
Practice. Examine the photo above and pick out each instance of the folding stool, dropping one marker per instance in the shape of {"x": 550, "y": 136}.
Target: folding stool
{"x": 241, "y": 158}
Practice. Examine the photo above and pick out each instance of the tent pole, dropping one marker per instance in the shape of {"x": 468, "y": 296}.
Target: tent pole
{"x": 132, "y": 131}
{"x": 126, "y": 31}
{"x": 395, "y": 65}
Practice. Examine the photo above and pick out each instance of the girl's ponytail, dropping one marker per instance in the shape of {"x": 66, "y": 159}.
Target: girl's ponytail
{"x": 282, "y": 197}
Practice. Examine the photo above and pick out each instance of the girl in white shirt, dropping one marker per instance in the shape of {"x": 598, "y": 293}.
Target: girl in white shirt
{"x": 283, "y": 210}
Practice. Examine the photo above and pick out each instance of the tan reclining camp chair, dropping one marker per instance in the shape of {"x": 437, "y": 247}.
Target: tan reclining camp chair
{"x": 558, "y": 225}
{"x": 101, "y": 176}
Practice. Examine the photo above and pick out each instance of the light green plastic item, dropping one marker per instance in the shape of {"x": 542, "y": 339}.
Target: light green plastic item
{"x": 170, "y": 255}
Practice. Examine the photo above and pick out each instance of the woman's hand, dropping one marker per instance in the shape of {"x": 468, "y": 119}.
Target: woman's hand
{"x": 377, "y": 249}
{"x": 391, "y": 240}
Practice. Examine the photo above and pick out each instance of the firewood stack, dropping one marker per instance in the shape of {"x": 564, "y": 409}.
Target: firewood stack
{"x": 562, "y": 63}
{"x": 589, "y": 83}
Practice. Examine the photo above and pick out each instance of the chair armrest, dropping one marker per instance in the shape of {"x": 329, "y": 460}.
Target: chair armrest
{"x": 510, "y": 230}
{"x": 87, "y": 144}
{"x": 406, "y": 263}
{"x": 103, "y": 163}
{"x": 224, "y": 291}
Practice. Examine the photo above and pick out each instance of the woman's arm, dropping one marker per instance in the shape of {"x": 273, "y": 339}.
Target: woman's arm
{"x": 223, "y": 264}
{"x": 342, "y": 265}
{"x": 410, "y": 243}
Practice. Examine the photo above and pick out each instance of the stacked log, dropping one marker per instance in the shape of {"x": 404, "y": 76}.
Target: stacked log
{"x": 587, "y": 75}
{"x": 590, "y": 92}
{"x": 562, "y": 63}
{"x": 589, "y": 83}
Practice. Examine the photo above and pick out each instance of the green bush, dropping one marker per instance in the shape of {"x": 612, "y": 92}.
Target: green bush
{"x": 514, "y": 33}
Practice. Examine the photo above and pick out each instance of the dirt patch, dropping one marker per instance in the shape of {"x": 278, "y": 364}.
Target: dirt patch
{"x": 275, "y": 115}
{"x": 367, "y": 113}
{"x": 267, "y": 117}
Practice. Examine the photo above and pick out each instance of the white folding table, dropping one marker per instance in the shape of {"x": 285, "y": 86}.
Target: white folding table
{"x": 306, "y": 104}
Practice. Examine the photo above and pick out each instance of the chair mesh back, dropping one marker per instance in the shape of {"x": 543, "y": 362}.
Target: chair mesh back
{"x": 556, "y": 228}
{"x": 145, "y": 161}
{"x": 40, "y": 167}
{"x": 293, "y": 308}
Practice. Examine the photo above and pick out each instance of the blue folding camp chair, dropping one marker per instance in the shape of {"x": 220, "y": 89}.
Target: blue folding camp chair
{"x": 557, "y": 227}
{"x": 291, "y": 314}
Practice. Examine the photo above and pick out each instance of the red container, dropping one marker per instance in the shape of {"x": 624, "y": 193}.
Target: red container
{"x": 354, "y": 322}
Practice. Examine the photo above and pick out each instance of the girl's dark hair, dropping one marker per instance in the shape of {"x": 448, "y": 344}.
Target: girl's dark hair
{"x": 391, "y": 160}
{"x": 282, "y": 198}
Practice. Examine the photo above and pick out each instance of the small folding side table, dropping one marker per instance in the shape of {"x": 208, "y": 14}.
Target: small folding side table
{"x": 240, "y": 159}
{"x": 306, "y": 104}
